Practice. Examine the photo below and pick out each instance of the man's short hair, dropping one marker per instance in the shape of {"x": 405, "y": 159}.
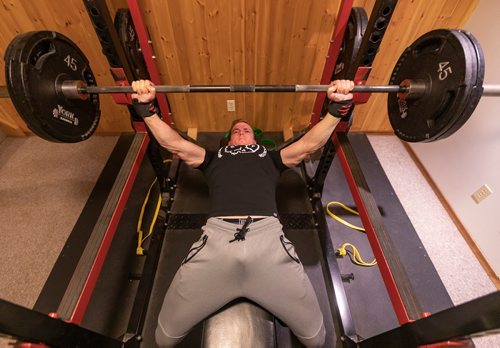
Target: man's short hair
{"x": 234, "y": 123}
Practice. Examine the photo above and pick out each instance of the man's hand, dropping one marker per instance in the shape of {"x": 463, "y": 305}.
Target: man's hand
{"x": 144, "y": 91}
{"x": 142, "y": 99}
{"x": 340, "y": 90}
{"x": 340, "y": 98}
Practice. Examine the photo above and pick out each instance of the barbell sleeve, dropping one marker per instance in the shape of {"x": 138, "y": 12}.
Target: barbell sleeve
{"x": 491, "y": 90}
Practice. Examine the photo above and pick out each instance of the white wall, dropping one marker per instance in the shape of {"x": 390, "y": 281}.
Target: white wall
{"x": 470, "y": 158}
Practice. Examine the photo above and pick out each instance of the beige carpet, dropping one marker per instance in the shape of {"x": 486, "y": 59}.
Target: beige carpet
{"x": 43, "y": 188}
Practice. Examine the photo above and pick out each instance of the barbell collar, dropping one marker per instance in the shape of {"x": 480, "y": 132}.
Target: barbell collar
{"x": 413, "y": 89}
{"x": 70, "y": 89}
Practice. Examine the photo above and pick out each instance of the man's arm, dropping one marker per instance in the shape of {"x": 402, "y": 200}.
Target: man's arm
{"x": 317, "y": 136}
{"x": 192, "y": 154}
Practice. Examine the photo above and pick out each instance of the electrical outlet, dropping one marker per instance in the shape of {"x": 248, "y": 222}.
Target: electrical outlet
{"x": 481, "y": 193}
{"x": 231, "y": 105}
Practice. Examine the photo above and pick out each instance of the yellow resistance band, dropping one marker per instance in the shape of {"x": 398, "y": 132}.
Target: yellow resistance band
{"x": 342, "y": 221}
{"x": 354, "y": 255}
{"x": 342, "y": 251}
{"x": 140, "y": 239}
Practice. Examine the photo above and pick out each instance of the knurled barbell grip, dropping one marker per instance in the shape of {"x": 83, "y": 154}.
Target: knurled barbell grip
{"x": 239, "y": 88}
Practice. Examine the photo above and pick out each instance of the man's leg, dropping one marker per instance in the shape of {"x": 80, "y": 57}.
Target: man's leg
{"x": 277, "y": 281}
{"x": 200, "y": 287}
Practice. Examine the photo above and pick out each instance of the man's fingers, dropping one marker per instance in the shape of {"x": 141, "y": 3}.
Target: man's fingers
{"x": 340, "y": 90}
{"x": 143, "y": 86}
{"x": 344, "y": 86}
{"x": 149, "y": 86}
{"x": 144, "y": 90}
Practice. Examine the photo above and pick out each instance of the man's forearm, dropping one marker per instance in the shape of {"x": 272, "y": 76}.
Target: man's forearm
{"x": 318, "y": 135}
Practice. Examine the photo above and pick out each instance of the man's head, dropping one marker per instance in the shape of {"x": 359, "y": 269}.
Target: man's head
{"x": 241, "y": 133}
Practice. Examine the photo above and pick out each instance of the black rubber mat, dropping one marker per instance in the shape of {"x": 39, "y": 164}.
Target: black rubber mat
{"x": 57, "y": 282}
{"x": 425, "y": 280}
{"x": 111, "y": 302}
{"x": 368, "y": 300}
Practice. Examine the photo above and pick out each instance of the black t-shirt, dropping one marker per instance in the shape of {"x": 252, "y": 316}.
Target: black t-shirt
{"x": 242, "y": 180}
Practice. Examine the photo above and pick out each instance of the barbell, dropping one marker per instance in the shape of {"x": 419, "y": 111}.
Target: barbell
{"x": 76, "y": 89}
{"x": 434, "y": 88}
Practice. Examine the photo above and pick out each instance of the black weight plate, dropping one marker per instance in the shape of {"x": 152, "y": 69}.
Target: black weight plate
{"x": 441, "y": 59}
{"x": 476, "y": 92}
{"x": 130, "y": 42}
{"x": 470, "y": 67}
{"x": 16, "y": 85}
{"x": 36, "y": 62}
{"x": 58, "y": 59}
{"x": 353, "y": 36}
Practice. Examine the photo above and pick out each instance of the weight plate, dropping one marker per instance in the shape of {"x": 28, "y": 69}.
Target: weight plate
{"x": 442, "y": 59}
{"x": 12, "y": 72}
{"x": 471, "y": 68}
{"x": 477, "y": 56}
{"x": 16, "y": 85}
{"x": 36, "y": 64}
{"x": 353, "y": 36}
{"x": 130, "y": 42}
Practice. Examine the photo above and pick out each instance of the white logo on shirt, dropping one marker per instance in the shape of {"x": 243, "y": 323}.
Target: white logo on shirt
{"x": 242, "y": 149}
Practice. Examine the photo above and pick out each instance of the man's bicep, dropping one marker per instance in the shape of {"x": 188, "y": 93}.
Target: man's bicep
{"x": 189, "y": 152}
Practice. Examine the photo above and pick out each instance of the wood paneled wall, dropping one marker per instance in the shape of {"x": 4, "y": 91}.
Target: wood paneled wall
{"x": 241, "y": 42}
{"x": 231, "y": 42}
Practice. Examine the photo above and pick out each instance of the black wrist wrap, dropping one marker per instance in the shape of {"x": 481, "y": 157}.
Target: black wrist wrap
{"x": 144, "y": 109}
{"x": 339, "y": 109}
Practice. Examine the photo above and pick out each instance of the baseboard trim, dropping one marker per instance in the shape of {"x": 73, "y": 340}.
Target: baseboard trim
{"x": 461, "y": 228}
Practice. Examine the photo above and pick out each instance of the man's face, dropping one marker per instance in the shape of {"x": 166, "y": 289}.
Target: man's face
{"x": 242, "y": 134}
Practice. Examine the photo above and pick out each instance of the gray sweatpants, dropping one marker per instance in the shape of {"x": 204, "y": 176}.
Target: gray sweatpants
{"x": 263, "y": 268}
